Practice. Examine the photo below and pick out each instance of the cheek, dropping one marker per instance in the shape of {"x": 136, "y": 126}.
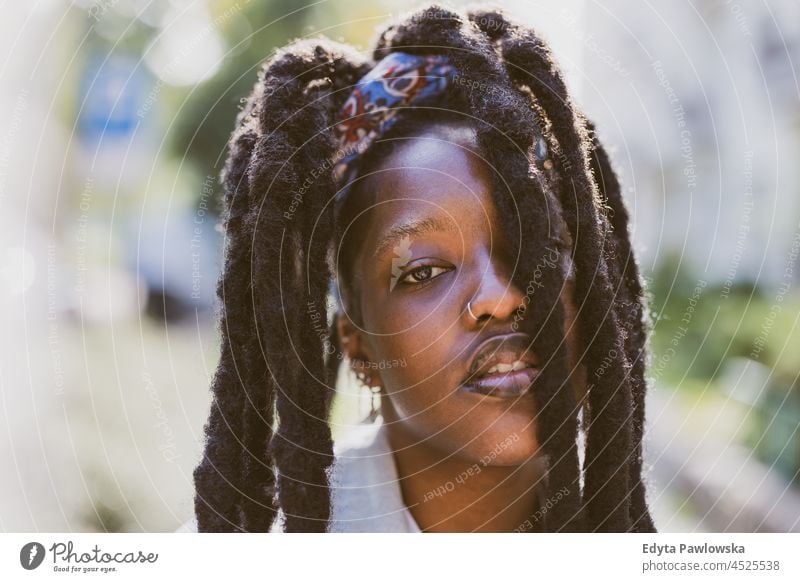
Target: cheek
{"x": 424, "y": 380}
{"x": 421, "y": 338}
{"x": 422, "y": 389}
{"x": 425, "y": 397}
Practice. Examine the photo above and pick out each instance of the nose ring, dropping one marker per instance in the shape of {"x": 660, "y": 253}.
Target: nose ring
{"x": 469, "y": 308}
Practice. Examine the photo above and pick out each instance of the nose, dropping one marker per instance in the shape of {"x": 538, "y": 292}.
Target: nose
{"x": 497, "y": 297}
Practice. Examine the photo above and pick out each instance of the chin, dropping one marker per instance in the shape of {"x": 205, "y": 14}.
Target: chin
{"x": 485, "y": 430}
{"x": 502, "y": 448}
{"x": 493, "y": 438}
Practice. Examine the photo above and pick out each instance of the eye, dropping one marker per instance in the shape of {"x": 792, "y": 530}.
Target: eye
{"x": 422, "y": 275}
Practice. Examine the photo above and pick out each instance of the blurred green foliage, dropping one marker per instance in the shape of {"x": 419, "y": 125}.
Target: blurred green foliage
{"x": 706, "y": 336}
{"x": 207, "y": 117}
{"x": 721, "y": 325}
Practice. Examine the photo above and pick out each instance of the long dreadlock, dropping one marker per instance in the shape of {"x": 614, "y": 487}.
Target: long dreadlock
{"x": 268, "y": 442}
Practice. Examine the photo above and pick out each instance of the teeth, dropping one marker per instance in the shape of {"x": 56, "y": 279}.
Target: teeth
{"x": 505, "y": 368}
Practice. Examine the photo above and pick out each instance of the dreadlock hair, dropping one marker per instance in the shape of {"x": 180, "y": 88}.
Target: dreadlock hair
{"x": 268, "y": 444}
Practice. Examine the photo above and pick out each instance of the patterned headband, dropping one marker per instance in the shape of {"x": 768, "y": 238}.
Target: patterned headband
{"x": 398, "y": 81}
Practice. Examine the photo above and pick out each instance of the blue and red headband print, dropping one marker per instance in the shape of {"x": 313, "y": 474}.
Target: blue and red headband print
{"x": 398, "y": 81}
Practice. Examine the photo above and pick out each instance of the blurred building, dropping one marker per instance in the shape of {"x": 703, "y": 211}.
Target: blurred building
{"x": 700, "y": 101}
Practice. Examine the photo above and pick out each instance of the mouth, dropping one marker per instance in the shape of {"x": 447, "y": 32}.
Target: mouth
{"x": 502, "y": 366}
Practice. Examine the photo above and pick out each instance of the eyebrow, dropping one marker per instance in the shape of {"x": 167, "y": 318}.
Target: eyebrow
{"x": 412, "y": 228}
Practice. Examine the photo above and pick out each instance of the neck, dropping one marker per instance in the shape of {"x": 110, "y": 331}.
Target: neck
{"x": 446, "y": 493}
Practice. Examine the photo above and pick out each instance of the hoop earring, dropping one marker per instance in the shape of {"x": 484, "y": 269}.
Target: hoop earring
{"x": 365, "y": 378}
{"x": 362, "y": 375}
{"x": 374, "y": 403}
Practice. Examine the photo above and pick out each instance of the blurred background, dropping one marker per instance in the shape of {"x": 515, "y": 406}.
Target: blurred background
{"x": 115, "y": 116}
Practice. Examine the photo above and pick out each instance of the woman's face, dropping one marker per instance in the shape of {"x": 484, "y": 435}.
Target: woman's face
{"x": 430, "y": 243}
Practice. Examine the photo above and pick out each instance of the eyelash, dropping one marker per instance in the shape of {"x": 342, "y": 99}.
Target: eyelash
{"x": 419, "y": 284}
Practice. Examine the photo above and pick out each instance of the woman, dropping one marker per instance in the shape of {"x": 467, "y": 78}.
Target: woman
{"x": 441, "y": 220}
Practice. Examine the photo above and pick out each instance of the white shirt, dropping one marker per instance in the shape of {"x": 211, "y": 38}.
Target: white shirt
{"x": 365, "y": 490}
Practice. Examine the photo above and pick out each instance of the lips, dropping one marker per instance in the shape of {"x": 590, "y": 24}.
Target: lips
{"x": 502, "y": 366}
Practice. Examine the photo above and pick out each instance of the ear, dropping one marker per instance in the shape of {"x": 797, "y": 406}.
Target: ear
{"x": 351, "y": 338}
{"x": 352, "y": 342}
{"x": 346, "y": 331}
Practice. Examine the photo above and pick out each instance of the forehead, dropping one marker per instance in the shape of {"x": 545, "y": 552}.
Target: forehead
{"x": 439, "y": 149}
{"x": 438, "y": 171}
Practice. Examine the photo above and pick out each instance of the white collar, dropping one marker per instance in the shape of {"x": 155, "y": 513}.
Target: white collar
{"x": 365, "y": 489}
